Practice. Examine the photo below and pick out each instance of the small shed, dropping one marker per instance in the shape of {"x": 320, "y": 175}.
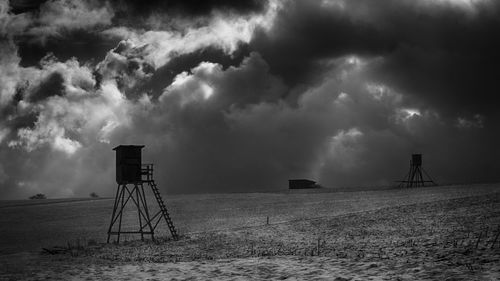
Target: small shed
{"x": 301, "y": 184}
{"x": 128, "y": 163}
{"x": 416, "y": 159}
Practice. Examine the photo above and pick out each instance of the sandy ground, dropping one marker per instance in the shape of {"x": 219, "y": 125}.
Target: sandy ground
{"x": 453, "y": 239}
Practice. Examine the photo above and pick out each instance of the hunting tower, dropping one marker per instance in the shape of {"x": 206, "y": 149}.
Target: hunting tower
{"x": 415, "y": 177}
{"x": 131, "y": 177}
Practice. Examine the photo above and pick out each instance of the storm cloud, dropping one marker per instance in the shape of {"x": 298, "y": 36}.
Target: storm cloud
{"x": 241, "y": 96}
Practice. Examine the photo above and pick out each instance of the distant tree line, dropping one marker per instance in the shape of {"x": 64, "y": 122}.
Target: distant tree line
{"x": 38, "y": 196}
{"x": 42, "y": 196}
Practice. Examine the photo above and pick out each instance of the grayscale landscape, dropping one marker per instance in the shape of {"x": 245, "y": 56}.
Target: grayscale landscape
{"x": 249, "y": 140}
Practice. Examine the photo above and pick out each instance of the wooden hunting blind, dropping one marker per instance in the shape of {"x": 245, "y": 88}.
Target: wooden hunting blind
{"x": 131, "y": 171}
{"x": 416, "y": 159}
{"x": 128, "y": 163}
{"x": 415, "y": 176}
{"x": 301, "y": 184}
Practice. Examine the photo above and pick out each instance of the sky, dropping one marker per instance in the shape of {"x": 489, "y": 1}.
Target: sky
{"x": 240, "y": 96}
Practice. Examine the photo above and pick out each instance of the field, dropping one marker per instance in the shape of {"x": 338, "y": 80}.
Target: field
{"x": 438, "y": 233}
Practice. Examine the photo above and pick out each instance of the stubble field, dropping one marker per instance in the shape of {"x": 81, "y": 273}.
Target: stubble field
{"x": 434, "y": 233}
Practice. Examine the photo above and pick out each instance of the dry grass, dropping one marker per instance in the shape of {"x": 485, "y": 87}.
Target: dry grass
{"x": 455, "y": 239}
{"x": 443, "y": 230}
{"x": 55, "y": 222}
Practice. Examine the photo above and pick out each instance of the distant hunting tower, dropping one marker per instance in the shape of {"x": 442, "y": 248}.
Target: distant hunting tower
{"x": 131, "y": 175}
{"x": 415, "y": 178}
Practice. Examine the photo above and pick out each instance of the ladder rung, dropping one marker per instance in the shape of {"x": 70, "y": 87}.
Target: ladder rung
{"x": 163, "y": 209}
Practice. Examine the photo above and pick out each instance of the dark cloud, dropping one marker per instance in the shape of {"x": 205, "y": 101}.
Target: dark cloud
{"x": 164, "y": 75}
{"x": 177, "y": 15}
{"x": 382, "y": 157}
{"x": 84, "y": 45}
{"x": 437, "y": 51}
{"x": 242, "y": 96}
{"x": 456, "y": 83}
{"x": 189, "y": 7}
{"x": 305, "y": 33}
{"x": 52, "y": 86}
{"x": 65, "y": 28}
{"x": 203, "y": 135}
{"x": 24, "y": 6}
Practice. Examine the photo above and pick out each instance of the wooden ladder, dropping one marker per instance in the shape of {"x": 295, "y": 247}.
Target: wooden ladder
{"x": 163, "y": 210}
